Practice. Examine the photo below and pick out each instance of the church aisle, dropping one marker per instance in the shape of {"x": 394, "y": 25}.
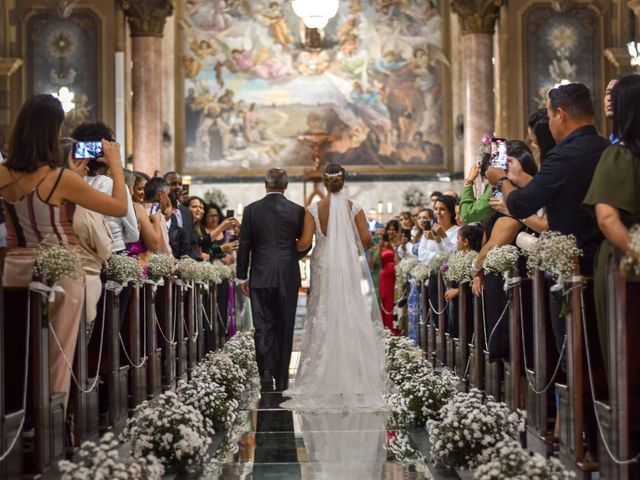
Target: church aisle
{"x": 284, "y": 445}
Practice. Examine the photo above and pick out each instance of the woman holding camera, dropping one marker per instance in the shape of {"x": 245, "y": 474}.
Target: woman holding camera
{"x": 39, "y": 200}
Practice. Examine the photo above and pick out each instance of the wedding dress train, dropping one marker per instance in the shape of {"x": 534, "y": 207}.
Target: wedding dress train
{"x": 342, "y": 364}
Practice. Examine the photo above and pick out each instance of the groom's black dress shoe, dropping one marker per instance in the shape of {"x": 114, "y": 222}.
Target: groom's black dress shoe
{"x": 266, "y": 381}
{"x": 281, "y": 386}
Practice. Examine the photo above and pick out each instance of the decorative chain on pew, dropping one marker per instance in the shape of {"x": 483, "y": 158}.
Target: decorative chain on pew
{"x": 173, "y": 317}
{"x": 225, "y": 327}
{"x": 206, "y": 317}
{"x": 524, "y": 357}
{"x": 466, "y": 369}
{"x": 144, "y": 340}
{"x": 12, "y": 444}
{"x": 487, "y": 340}
{"x": 615, "y": 459}
{"x": 444, "y": 309}
{"x": 70, "y": 364}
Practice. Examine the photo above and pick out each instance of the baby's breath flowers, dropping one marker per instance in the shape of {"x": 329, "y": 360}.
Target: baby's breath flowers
{"x": 188, "y": 270}
{"x": 460, "y": 266}
{"x": 123, "y": 269}
{"x": 160, "y": 265}
{"x": 508, "y": 461}
{"x": 176, "y": 433}
{"x": 468, "y": 425}
{"x": 501, "y": 259}
{"x": 54, "y": 262}
{"x": 420, "y": 272}
{"x": 439, "y": 262}
{"x": 102, "y": 461}
{"x": 631, "y": 261}
{"x": 403, "y": 270}
{"x": 555, "y": 255}
{"x": 209, "y": 398}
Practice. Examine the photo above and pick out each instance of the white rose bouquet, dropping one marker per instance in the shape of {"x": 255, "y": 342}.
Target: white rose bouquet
{"x": 468, "y": 426}
{"x": 176, "y": 433}
{"x": 56, "y": 261}
{"x": 508, "y": 461}
{"x": 102, "y": 461}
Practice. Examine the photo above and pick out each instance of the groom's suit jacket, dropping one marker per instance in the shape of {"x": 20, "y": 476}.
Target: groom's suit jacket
{"x": 268, "y": 235}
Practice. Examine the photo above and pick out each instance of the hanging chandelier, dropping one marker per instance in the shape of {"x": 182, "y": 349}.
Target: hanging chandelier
{"x": 315, "y": 13}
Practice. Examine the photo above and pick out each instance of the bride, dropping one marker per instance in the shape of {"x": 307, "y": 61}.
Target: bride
{"x": 342, "y": 359}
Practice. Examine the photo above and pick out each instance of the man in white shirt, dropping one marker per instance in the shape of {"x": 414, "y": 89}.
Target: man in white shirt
{"x": 372, "y": 221}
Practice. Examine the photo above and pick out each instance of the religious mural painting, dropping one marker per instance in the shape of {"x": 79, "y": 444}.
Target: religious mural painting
{"x": 562, "y": 47}
{"x": 370, "y": 83}
{"x": 63, "y": 54}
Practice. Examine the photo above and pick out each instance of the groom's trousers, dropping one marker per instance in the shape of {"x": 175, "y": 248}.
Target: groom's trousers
{"x": 274, "y": 315}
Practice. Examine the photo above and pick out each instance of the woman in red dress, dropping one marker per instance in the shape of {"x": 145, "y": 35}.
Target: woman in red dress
{"x": 387, "y": 279}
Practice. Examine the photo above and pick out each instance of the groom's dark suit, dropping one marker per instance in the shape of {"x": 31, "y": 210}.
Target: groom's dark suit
{"x": 270, "y": 228}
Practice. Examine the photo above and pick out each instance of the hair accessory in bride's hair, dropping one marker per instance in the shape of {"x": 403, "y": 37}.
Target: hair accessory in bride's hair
{"x": 330, "y": 175}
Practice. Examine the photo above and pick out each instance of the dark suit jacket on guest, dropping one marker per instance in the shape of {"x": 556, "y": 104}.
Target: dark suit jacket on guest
{"x": 178, "y": 239}
{"x": 189, "y": 231}
{"x": 270, "y": 228}
{"x": 561, "y": 185}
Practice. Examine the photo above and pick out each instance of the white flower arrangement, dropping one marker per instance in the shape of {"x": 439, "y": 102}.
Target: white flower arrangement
{"x": 223, "y": 371}
{"x": 631, "y": 260}
{"x": 241, "y": 350}
{"x": 215, "y": 272}
{"x": 508, "y": 461}
{"x": 123, "y": 269}
{"x": 502, "y": 259}
{"x": 188, "y": 270}
{"x": 176, "y": 433}
{"x": 468, "y": 426}
{"x": 420, "y": 272}
{"x": 160, "y": 265}
{"x": 403, "y": 270}
{"x": 54, "y": 262}
{"x": 399, "y": 444}
{"x": 439, "y": 262}
{"x": 459, "y": 266}
{"x": 554, "y": 254}
{"x": 102, "y": 461}
{"x": 209, "y": 398}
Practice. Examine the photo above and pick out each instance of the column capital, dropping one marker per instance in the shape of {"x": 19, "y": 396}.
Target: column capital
{"x": 476, "y": 16}
{"x": 147, "y": 17}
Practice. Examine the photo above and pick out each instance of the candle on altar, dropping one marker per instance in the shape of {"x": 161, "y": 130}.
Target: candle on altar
{"x": 239, "y": 209}
{"x": 380, "y": 206}
{"x": 389, "y": 208}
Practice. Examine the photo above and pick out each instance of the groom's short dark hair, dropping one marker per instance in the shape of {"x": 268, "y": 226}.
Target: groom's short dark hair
{"x": 276, "y": 178}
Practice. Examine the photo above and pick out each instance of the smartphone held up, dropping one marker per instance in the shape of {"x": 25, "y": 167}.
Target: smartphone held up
{"x": 87, "y": 150}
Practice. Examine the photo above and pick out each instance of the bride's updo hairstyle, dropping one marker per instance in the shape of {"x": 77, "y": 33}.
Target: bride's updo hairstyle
{"x": 334, "y": 177}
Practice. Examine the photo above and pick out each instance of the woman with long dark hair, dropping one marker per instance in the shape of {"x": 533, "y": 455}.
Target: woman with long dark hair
{"x": 39, "y": 201}
{"x": 614, "y": 194}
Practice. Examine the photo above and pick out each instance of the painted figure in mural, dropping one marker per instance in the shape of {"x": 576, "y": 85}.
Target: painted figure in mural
{"x": 348, "y": 38}
{"x": 369, "y": 107}
{"x": 221, "y": 19}
{"x": 273, "y": 17}
{"x": 192, "y": 117}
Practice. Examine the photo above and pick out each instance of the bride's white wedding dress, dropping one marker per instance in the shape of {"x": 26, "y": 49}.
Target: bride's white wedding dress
{"x": 342, "y": 364}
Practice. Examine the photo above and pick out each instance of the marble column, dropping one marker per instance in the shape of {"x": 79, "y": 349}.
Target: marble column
{"x": 477, "y": 19}
{"x": 146, "y": 21}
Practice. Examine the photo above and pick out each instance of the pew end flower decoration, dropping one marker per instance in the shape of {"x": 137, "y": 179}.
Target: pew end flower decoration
{"x": 459, "y": 266}
{"x": 123, "y": 269}
{"x": 631, "y": 261}
{"x": 54, "y": 262}
{"x": 555, "y": 254}
{"x": 159, "y": 266}
{"x": 188, "y": 270}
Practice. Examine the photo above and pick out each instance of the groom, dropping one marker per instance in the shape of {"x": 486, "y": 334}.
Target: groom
{"x": 268, "y": 235}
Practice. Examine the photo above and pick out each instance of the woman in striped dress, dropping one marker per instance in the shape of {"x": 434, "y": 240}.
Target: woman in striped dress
{"x": 39, "y": 200}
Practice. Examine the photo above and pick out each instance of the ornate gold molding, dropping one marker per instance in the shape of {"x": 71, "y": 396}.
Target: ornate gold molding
{"x": 147, "y": 17}
{"x": 8, "y": 66}
{"x": 476, "y": 16}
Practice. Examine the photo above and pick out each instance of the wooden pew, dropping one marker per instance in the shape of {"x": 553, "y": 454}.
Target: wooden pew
{"x": 11, "y": 413}
{"x": 191, "y": 331}
{"x": 154, "y": 352}
{"x": 493, "y": 371}
{"x": 180, "y": 293}
{"x": 619, "y": 418}
{"x": 114, "y": 375}
{"x": 477, "y": 346}
{"x": 465, "y": 325}
{"x": 441, "y": 341}
{"x": 167, "y": 331}
{"x": 429, "y": 319}
{"x": 201, "y": 292}
{"x": 133, "y": 349}
{"x": 85, "y": 399}
{"x": 210, "y": 320}
{"x": 545, "y": 359}
{"x": 422, "y": 326}
{"x": 43, "y": 441}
